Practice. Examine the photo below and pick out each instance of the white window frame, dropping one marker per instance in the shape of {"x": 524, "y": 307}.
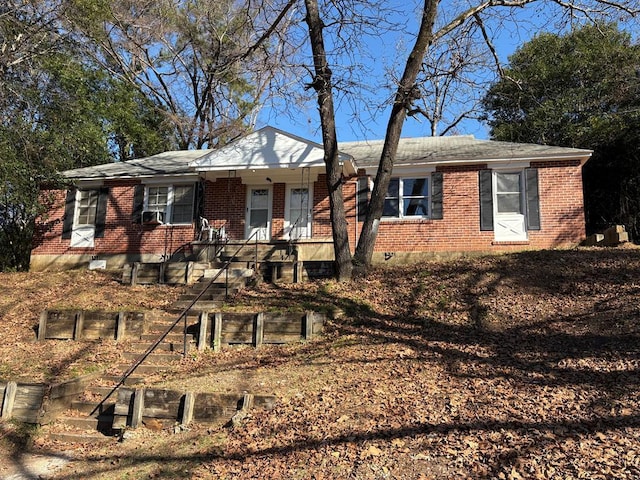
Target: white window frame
{"x": 249, "y": 209}
{"x": 79, "y": 194}
{"x": 287, "y": 209}
{"x": 168, "y": 212}
{"x": 516, "y": 226}
{"x": 401, "y": 198}
{"x": 521, "y": 192}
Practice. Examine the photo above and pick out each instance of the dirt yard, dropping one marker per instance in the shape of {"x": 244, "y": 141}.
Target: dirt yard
{"x": 522, "y": 366}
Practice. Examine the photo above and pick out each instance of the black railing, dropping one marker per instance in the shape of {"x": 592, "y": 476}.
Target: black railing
{"x": 183, "y": 314}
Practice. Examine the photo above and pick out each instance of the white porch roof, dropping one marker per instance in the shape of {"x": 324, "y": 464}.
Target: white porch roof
{"x": 267, "y": 148}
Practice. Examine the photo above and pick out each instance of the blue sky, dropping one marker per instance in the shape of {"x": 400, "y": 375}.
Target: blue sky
{"x": 305, "y": 122}
{"x": 510, "y": 31}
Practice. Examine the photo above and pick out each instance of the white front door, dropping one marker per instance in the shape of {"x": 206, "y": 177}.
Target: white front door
{"x": 84, "y": 220}
{"x": 258, "y": 213}
{"x": 298, "y": 213}
{"x": 509, "y": 214}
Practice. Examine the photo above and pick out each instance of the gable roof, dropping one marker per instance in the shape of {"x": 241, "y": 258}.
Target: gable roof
{"x": 457, "y": 150}
{"x": 173, "y": 163}
{"x": 272, "y": 148}
{"x": 267, "y": 148}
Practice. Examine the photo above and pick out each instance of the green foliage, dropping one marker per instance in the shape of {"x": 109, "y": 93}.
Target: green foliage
{"x": 189, "y": 57}
{"x": 579, "y": 90}
{"x": 58, "y": 111}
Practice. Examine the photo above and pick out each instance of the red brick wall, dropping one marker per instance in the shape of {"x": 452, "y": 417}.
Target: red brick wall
{"x": 225, "y": 201}
{"x": 561, "y": 204}
{"x": 561, "y": 215}
{"x": 121, "y": 234}
{"x": 277, "y": 209}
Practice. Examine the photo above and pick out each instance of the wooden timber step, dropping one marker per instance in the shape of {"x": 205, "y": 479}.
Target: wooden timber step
{"x": 87, "y": 407}
{"x": 146, "y": 368}
{"x": 93, "y": 437}
{"x": 154, "y": 357}
{"x": 87, "y": 421}
{"x": 210, "y": 295}
{"x": 151, "y": 337}
{"x": 200, "y": 305}
{"x": 130, "y": 380}
{"x": 238, "y": 273}
{"x": 163, "y": 347}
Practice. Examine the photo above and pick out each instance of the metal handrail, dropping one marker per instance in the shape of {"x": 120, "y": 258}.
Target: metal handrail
{"x": 182, "y": 315}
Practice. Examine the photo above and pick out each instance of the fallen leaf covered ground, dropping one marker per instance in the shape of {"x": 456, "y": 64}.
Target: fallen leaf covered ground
{"x": 516, "y": 366}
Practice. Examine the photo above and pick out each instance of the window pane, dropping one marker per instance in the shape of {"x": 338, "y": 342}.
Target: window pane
{"x": 183, "y": 195}
{"x": 259, "y": 218}
{"x": 158, "y": 198}
{"x": 299, "y": 217}
{"x": 416, "y": 206}
{"x": 182, "y": 214}
{"x": 508, "y": 203}
{"x": 182, "y": 204}
{"x": 87, "y": 206}
{"x": 415, "y": 187}
{"x": 260, "y": 198}
{"x": 391, "y": 208}
{"x": 508, "y": 182}
{"x": 394, "y": 188}
{"x": 299, "y": 198}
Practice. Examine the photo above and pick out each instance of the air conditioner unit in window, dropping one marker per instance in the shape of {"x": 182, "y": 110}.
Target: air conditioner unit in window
{"x": 153, "y": 218}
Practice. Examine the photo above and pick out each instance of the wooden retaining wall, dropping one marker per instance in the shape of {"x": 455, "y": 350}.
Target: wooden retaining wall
{"x": 217, "y": 329}
{"x": 136, "y": 407}
{"x": 173, "y": 273}
{"x": 38, "y": 402}
{"x": 89, "y": 324}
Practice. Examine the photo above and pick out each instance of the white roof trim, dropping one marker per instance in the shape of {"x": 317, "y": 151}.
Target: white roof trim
{"x": 264, "y": 149}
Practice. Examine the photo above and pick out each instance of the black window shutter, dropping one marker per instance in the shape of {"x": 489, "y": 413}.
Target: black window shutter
{"x": 436, "y": 195}
{"x": 198, "y": 201}
{"x": 69, "y": 211}
{"x": 533, "y": 198}
{"x": 101, "y": 213}
{"x": 486, "y": 200}
{"x": 138, "y": 204}
{"x": 363, "y": 197}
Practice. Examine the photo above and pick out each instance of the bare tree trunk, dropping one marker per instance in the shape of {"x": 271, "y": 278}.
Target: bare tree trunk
{"x": 405, "y": 94}
{"x": 322, "y": 85}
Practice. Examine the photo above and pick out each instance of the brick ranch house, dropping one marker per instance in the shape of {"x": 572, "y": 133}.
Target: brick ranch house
{"x": 447, "y": 194}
